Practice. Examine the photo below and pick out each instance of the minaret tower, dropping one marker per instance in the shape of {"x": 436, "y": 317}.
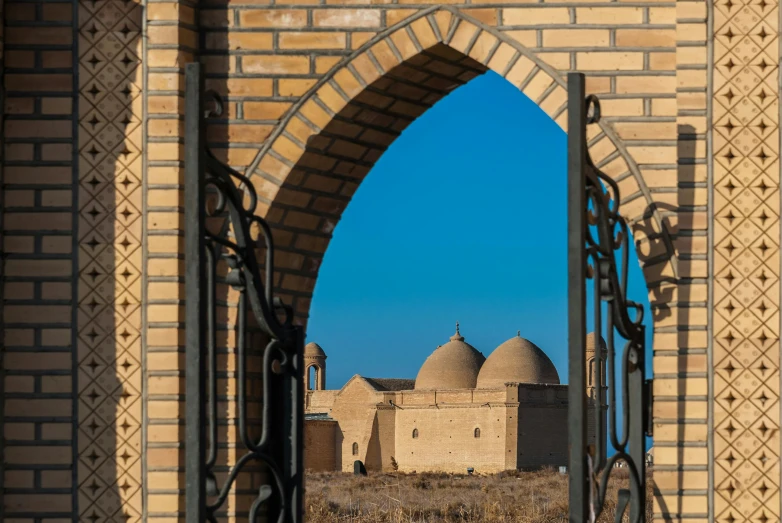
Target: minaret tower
{"x": 314, "y": 357}
{"x": 595, "y": 369}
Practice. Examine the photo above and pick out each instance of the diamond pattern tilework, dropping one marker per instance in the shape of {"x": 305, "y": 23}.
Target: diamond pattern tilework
{"x": 110, "y": 261}
{"x": 746, "y": 261}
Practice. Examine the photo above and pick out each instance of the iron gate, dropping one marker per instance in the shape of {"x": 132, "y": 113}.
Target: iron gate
{"x": 597, "y": 234}
{"x": 213, "y": 190}
{"x": 219, "y": 257}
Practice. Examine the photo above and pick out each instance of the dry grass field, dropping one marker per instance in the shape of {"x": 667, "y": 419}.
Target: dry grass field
{"x": 515, "y": 497}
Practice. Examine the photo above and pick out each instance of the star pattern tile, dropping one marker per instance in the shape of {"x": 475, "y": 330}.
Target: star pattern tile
{"x": 109, "y": 320}
{"x": 746, "y": 261}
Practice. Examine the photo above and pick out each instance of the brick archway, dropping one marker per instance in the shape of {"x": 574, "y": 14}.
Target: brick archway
{"x": 317, "y": 156}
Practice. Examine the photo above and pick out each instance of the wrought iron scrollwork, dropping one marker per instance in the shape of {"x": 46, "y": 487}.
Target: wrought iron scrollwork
{"x": 214, "y": 190}
{"x": 598, "y": 235}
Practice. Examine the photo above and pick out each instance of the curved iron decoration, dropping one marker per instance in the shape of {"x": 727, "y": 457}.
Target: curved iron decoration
{"x": 606, "y": 238}
{"x": 277, "y": 448}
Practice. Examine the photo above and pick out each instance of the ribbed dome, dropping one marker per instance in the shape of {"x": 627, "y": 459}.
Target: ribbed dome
{"x": 454, "y": 365}
{"x": 312, "y": 349}
{"x": 517, "y": 360}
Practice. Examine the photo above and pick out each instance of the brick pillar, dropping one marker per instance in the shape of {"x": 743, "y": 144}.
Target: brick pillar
{"x": 171, "y": 43}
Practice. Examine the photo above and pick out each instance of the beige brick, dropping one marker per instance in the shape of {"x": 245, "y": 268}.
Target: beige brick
{"x": 682, "y": 504}
{"x": 610, "y": 61}
{"x": 530, "y": 16}
{"x": 683, "y": 10}
{"x": 645, "y": 38}
{"x": 274, "y": 18}
{"x": 609, "y": 15}
{"x": 576, "y": 37}
{"x": 235, "y": 40}
{"x": 645, "y": 84}
{"x": 662, "y": 61}
{"x": 486, "y": 16}
{"x": 347, "y": 18}
{"x": 691, "y": 32}
{"x": 312, "y": 41}
{"x": 325, "y": 63}
{"x": 691, "y": 78}
{"x": 691, "y": 55}
{"x": 271, "y": 64}
{"x": 622, "y": 107}
{"x": 646, "y": 130}
{"x": 295, "y": 87}
{"x": 527, "y": 38}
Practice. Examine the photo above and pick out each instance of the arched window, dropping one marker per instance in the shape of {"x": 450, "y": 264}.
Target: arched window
{"x": 355, "y": 449}
{"x": 477, "y": 432}
{"x": 312, "y": 377}
{"x": 415, "y": 433}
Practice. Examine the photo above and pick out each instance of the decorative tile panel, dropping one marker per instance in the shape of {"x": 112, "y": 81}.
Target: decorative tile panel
{"x": 110, "y": 261}
{"x": 746, "y": 261}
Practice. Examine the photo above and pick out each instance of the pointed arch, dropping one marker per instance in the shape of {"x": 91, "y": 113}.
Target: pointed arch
{"x": 320, "y": 152}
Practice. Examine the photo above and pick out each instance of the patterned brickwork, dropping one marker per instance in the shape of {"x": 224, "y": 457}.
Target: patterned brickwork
{"x": 745, "y": 113}
{"x": 315, "y": 93}
{"x": 38, "y": 226}
{"x": 110, "y": 261}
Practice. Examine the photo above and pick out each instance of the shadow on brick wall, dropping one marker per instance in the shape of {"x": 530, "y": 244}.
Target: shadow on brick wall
{"x": 678, "y": 292}
{"x": 109, "y": 289}
{"x": 223, "y": 134}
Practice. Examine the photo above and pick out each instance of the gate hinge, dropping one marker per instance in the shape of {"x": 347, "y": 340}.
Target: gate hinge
{"x": 648, "y": 399}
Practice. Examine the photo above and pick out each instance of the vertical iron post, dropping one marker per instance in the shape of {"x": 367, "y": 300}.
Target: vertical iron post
{"x": 578, "y": 468}
{"x": 637, "y": 428}
{"x": 296, "y": 413}
{"x": 195, "y": 299}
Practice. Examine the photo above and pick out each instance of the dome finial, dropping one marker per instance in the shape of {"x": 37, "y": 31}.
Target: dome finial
{"x": 457, "y": 336}
{"x": 518, "y": 334}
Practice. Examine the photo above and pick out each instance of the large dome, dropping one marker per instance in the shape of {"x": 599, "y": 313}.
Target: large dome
{"x": 518, "y": 360}
{"x": 454, "y": 365}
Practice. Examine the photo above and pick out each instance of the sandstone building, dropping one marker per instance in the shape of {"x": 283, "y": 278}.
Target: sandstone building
{"x": 462, "y": 411}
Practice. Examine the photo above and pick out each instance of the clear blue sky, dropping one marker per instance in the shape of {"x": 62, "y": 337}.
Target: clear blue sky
{"x": 463, "y": 218}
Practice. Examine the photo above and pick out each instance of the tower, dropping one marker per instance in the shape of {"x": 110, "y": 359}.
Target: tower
{"x": 314, "y": 357}
{"x": 596, "y": 386}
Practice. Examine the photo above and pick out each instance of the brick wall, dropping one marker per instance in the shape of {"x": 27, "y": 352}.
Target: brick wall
{"x": 320, "y": 443}
{"x": 534, "y": 450}
{"x": 39, "y": 218}
{"x": 446, "y": 438}
{"x": 315, "y": 94}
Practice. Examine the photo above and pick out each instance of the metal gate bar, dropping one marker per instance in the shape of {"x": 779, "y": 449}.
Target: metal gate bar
{"x": 577, "y": 402}
{"x": 279, "y": 443}
{"x": 597, "y": 234}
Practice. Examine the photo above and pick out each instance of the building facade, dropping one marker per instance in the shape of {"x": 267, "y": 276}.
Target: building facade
{"x": 92, "y": 215}
{"x": 462, "y": 411}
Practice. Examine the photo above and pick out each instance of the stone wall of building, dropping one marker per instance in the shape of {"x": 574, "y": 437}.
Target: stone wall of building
{"x": 535, "y": 450}
{"x": 446, "y": 438}
{"x": 542, "y": 410}
{"x": 320, "y": 444}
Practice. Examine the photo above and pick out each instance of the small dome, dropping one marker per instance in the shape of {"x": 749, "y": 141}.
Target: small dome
{"x": 590, "y": 343}
{"x": 313, "y": 350}
{"x": 454, "y": 365}
{"x": 518, "y": 361}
